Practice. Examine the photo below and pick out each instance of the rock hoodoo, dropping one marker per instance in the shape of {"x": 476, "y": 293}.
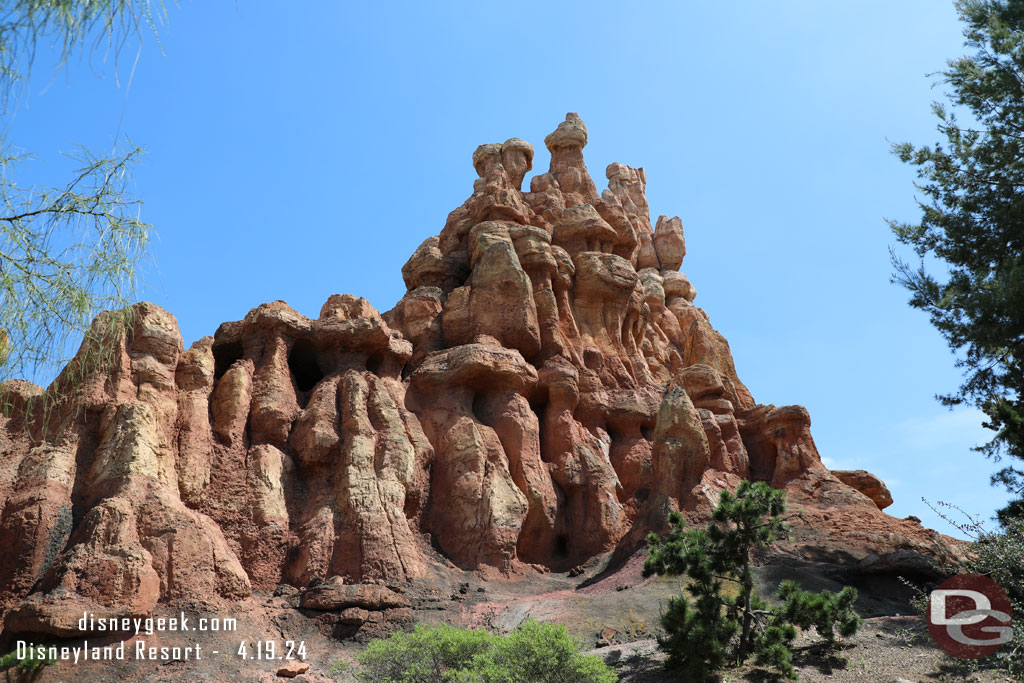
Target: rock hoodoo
{"x": 544, "y": 392}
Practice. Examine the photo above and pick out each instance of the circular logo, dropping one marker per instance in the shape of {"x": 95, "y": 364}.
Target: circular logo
{"x": 969, "y": 616}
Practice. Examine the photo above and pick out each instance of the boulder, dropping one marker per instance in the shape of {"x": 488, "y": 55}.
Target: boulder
{"x": 868, "y": 484}
{"x": 371, "y": 597}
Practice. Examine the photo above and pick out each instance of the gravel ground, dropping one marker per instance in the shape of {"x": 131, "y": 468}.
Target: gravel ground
{"x": 614, "y": 615}
{"x": 886, "y": 649}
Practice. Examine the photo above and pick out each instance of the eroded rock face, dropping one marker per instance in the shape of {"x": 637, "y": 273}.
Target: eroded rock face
{"x": 544, "y": 392}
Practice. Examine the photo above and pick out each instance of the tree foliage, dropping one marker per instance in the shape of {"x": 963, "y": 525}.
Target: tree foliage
{"x": 716, "y": 629}
{"x": 831, "y": 614}
{"x": 67, "y": 251}
{"x": 972, "y": 222}
{"x": 69, "y": 26}
{"x": 64, "y": 256}
{"x": 27, "y": 665}
{"x": 533, "y": 653}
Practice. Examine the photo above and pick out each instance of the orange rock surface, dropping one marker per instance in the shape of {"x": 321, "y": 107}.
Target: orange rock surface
{"x": 545, "y": 392}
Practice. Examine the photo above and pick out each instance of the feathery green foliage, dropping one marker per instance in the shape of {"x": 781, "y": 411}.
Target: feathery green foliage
{"x": 972, "y": 222}
{"x": 715, "y": 630}
{"x": 533, "y": 653}
{"x": 64, "y": 256}
{"x": 68, "y": 25}
{"x": 66, "y": 252}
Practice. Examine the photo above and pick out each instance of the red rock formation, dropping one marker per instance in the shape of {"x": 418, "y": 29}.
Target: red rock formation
{"x": 545, "y": 386}
{"x": 868, "y": 484}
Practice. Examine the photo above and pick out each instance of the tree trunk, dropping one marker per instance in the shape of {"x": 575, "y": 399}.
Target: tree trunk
{"x": 748, "y": 589}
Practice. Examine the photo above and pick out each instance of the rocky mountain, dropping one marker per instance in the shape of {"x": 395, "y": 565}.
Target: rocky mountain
{"x": 544, "y": 393}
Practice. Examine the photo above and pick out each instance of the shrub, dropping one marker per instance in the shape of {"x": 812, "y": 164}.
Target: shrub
{"x": 542, "y": 653}
{"x": 1000, "y": 555}
{"x": 427, "y": 654}
{"x": 716, "y": 630}
{"x": 533, "y": 653}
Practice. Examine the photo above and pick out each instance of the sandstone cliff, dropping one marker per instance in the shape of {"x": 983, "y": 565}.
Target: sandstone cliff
{"x": 544, "y": 392}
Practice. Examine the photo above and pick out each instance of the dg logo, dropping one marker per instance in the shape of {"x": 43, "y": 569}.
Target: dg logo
{"x": 969, "y": 616}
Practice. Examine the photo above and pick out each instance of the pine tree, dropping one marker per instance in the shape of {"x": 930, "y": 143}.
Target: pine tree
{"x": 972, "y": 228}
{"x": 716, "y": 630}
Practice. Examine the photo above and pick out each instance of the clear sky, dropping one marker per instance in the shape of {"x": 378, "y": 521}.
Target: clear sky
{"x": 299, "y": 153}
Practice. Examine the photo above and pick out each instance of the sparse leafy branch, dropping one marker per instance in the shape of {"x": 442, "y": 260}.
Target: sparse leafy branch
{"x": 65, "y": 255}
{"x": 103, "y": 26}
{"x": 1000, "y": 555}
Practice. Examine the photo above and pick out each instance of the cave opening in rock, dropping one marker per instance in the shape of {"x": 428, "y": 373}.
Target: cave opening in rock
{"x": 303, "y": 363}
{"x": 616, "y": 432}
{"x": 375, "y": 363}
{"x": 762, "y": 457}
{"x": 561, "y": 547}
{"x": 481, "y": 408}
{"x": 647, "y": 431}
{"x": 224, "y": 356}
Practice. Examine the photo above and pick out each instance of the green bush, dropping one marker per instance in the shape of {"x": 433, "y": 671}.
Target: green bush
{"x": 533, "y": 653}
{"x": 427, "y": 654}
{"x": 717, "y": 629}
{"x": 1000, "y": 555}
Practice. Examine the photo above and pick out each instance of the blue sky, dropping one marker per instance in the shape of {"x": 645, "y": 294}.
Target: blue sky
{"x": 299, "y": 154}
